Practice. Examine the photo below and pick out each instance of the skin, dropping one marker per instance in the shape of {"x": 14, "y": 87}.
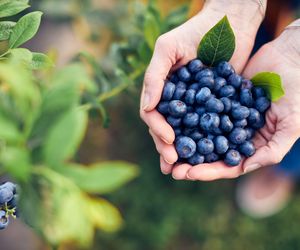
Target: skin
{"x": 179, "y": 46}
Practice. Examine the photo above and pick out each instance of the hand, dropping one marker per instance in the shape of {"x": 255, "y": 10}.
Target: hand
{"x": 179, "y": 46}
{"x": 282, "y": 127}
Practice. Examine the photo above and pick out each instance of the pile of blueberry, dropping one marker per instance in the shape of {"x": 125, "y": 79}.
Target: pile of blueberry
{"x": 214, "y": 113}
{"x": 8, "y": 203}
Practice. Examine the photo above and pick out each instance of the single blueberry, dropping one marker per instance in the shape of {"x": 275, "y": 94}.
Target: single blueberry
{"x": 250, "y": 133}
{"x": 13, "y": 202}
{"x": 168, "y": 91}
{"x": 217, "y": 131}
{"x": 254, "y": 116}
{"x": 191, "y": 120}
{"x": 219, "y": 83}
{"x": 260, "y": 123}
{"x": 174, "y": 121}
{"x": 203, "y": 95}
{"x": 196, "y": 159}
{"x": 227, "y": 91}
{"x": 4, "y": 220}
{"x": 224, "y": 69}
{"x": 195, "y": 65}
{"x": 9, "y": 185}
{"x": 183, "y": 74}
{"x": 258, "y": 92}
{"x": 203, "y": 73}
{"x": 179, "y": 93}
{"x": 207, "y": 81}
{"x": 214, "y": 105}
{"x": 185, "y": 147}
{"x": 232, "y": 145}
{"x": 181, "y": 84}
{"x": 238, "y": 136}
{"x": 246, "y": 97}
{"x": 240, "y": 123}
{"x": 232, "y": 158}
{"x": 200, "y": 110}
{"x": 225, "y": 123}
{"x": 227, "y": 104}
{"x": 247, "y": 149}
{"x": 177, "y": 108}
{"x": 177, "y": 131}
{"x": 235, "y": 80}
{"x": 240, "y": 113}
{"x": 262, "y": 104}
{"x": 163, "y": 108}
{"x": 221, "y": 144}
{"x": 210, "y": 137}
{"x": 6, "y": 195}
{"x": 205, "y": 146}
{"x": 196, "y": 135}
{"x": 235, "y": 104}
{"x": 174, "y": 78}
{"x": 212, "y": 157}
{"x": 194, "y": 86}
{"x": 246, "y": 84}
{"x": 189, "y": 131}
{"x": 190, "y": 96}
{"x": 209, "y": 121}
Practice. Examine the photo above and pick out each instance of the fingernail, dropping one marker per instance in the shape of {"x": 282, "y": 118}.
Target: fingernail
{"x": 252, "y": 167}
{"x": 168, "y": 161}
{"x": 146, "y": 101}
{"x": 189, "y": 178}
{"x": 166, "y": 141}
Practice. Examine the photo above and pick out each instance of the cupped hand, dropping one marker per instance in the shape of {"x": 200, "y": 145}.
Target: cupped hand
{"x": 178, "y": 47}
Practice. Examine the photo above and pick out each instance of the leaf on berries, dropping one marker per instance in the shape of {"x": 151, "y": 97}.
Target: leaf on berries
{"x": 11, "y": 8}
{"x": 218, "y": 43}
{"x": 6, "y": 29}
{"x": 40, "y": 61}
{"x": 271, "y": 83}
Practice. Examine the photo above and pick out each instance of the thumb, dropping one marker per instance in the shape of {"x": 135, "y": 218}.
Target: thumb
{"x": 155, "y": 75}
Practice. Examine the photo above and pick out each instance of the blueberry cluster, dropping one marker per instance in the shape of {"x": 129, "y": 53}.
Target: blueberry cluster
{"x": 214, "y": 113}
{"x": 8, "y": 203}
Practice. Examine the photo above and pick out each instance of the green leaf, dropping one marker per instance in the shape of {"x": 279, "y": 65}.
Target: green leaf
{"x": 151, "y": 30}
{"x": 25, "y": 29}
{"x": 218, "y": 43}
{"x": 65, "y": 136}
{"x": 6, "y": 29}
{"x": 40, "y": 61}
{"x": 271, "y": 82}
{"x": 103, "y": 214}
{"x": 12, "y": 7}
{"x": 21, "y": 55}
{"x": 100, "y": 178}
{"x": 9, "y": 132}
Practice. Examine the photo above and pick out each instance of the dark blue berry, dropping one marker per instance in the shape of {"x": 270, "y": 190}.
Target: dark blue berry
{"x": 190, "y": 96}
{"x": 196, "y": 159}
{"x": 191, "y": 120}
{"x": 168, "y": 91}
{"x": 174, "y": 78}
{"x": 227, "y": 104}
{"x": 203, "y": 73}
{"x": 185, "y": 147}
{"x": 6, "y": 195}
{"x": 174, "y": 121}
{"x": 200, "y": 110}
{"x": 177, "y": 131}
{"x": 240, "y": 123}
{"x": 203, "y": 95}
{"x": 205, "y": 146}
{"x": 4, "y": 220}
{"x": 254, "y": 116}
{"x": 196, "y": 135}
{"x": 212, "y": 157}
{"x": 235, "y": 80}
{"x": 246, "y": 98}
{"x": 177, "y": 108}
{"x": 232, "y": 145}
{"x": 250, "y": 133}
{"x": 262, "y": 104}
{"x": 194, "y": 86}
{"x": 246, "y": 84}
{"x": 181, "y": 84}
{"x": 9, "y": 185}
{"x": 219, "y": 83}
{"x": 195, "y": 65}
{"x": 190, "y": 109}
{"x": 232, "y": 158}
{"x": 225, "y": 123}
{"x": 209, "y": 121}
{"x": 224, "y": 69}
{"x": 260, "y": 123}
{"x": 247, "y": 149}
{"x": 240, "y": 112}
{"x": 163, "y": 108}
{"x": 238, "y": 136}
{"x": 214, "y": 105}
{"x": 207, "y": 81}
{"x": 258, "y": 92}
{"x": 210, "y": 137}
{"x": 183, "y": 74}
{"x": 216, "y": 131}
{"x": 221, "y": 144}
{"x": 227, "y": 91}
{"x": 13, "y": 202}
{"x": 235, "y": 104}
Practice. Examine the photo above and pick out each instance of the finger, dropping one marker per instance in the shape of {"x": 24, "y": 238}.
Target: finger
{"x": 156, "y": 74}
{"x": 165, "y": 167}
{"x": 214, "y": 171}
{"x": 179, "y": 171}
{"x": 158, "y": 125}
{"x": 167, "y": 151}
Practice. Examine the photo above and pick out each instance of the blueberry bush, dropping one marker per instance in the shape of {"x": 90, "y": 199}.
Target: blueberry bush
{"x": 43, "y": 119}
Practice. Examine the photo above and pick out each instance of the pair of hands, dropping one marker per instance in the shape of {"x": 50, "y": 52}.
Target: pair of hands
{"x": 180, "y": 45}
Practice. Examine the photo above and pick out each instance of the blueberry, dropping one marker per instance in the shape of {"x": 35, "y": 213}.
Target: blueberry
{"x": 235, "y": 80}
{"x": 227, "y": 104}
{"x": 195, "y": 65}
{"x": 203, "y": 95}
{"x": 216, "y": 131}
{"x": 232, "y": 145}
{"x": 168, "y": 91}
{"x": 191, "y": 120}
{"x": 227, "y": 91}
{"x": 177, "y": 108}
{"x": 6, "y": 195}
{"x": 205, "y": 146}
{"x": 235, "y": 104}
{"x": 194, "y": 86}
{"x": 174, "y": 78}
{"x": 254, "y": 116}
{"x": 260, "y": 123}
{"x": 250, "y": 133}
{"x": 214, "y": 105}
{"x": 258, "y": 92}
{"x": 262, "y": 104}
{"x": 181, "y": 84}
{"x": 209, "y": 121}
{"x": 185, "y": 147}
{"x": 210, "y": 137}
{"x": 232, "y": 158}
{"x": 246, "y": 84}
{"x": 203, "y": 73}
{"x": 238, "y": 136}
{"x": 246, "y": 98}
{"x": 200, "y": 110}
{"x": 212, "y": 157}
{"x": 179, "y": 93}
{"x": 190, "y": 109}
{"x": 163, "y": 108}
{"x": 196, "y": 135}
{"x": 183, "y": 74}
{"x": 240, "y": 112}
{"x": 13, "y": 202}
{"x": 190, "y": 96}
{"x": 4, "y": 220}
{"x": 247, "y": 149}
{"x": 221, "y": 144}
{"x": 174, "y": 121}
{"x": 219, "y": 83}
{"x": 196, "y": 159}
{"x": 9, "y": 185}
{"x": 240, "y": 123}
{"x": 224, "y": 69}
{"x": 207, "y": 81}
{"x": 225, "y": 123}
{"x": 177, "y": 131}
